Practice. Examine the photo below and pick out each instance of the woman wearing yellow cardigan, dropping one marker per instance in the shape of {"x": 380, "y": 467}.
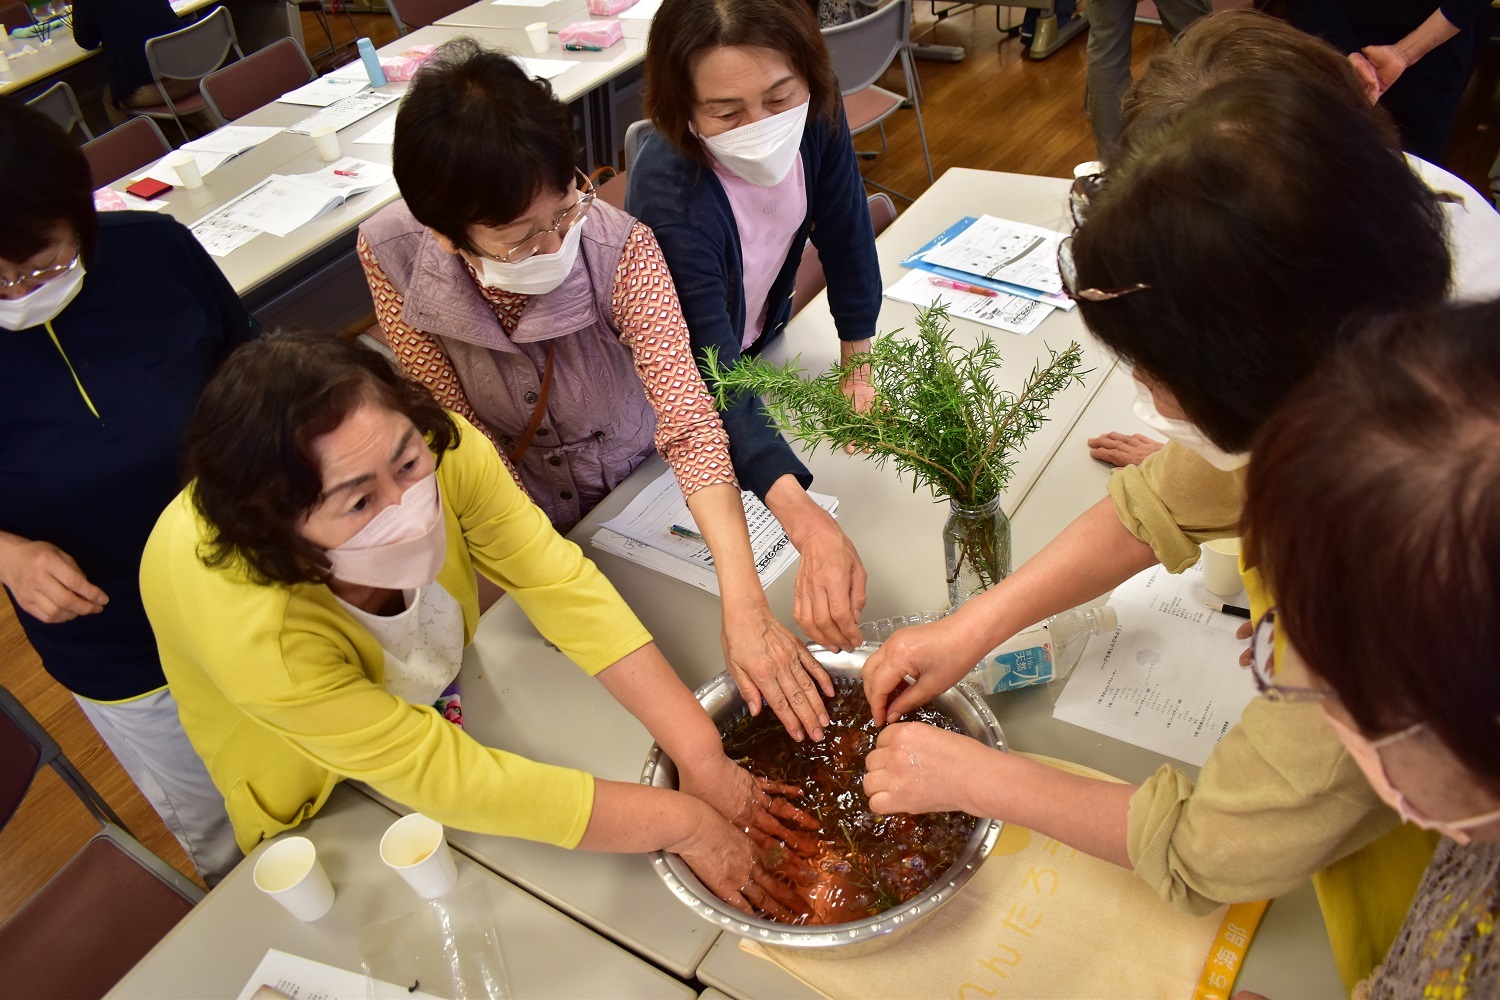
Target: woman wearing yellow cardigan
{"x": 312, "y": 590}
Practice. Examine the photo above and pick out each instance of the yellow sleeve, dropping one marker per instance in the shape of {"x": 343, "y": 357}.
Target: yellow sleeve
{"x": 512, "y": 543}
{"x": 1278, "y": 800}
{"x": 318, "y": 698}
{"x": 1174, "y": 500}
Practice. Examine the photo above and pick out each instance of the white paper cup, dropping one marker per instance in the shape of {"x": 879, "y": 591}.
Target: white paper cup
{"x": 536, "y": 33}
{"x": 326, "y": 138}
{"x": 290, "y": 873}
{"x": 4, "y": 61}
{"x": 1221, "y": 566}
{"x": 415, "y": 848}
{"x": 185, "y": 165}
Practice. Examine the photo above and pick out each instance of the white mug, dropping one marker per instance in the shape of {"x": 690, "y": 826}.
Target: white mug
{"x": 290, "y": 873}
{"x": 415, "y": 847}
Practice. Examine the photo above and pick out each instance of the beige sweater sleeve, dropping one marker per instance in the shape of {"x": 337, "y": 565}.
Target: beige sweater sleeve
{"x": 1279, "y": 799}
{"x": 1174, "y": 500}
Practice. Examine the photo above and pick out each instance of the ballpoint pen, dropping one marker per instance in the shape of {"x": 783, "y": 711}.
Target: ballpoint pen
{"x": 576, "y": 47}
{"x": 682, "y": 532}
{"x": 960, "y": 286}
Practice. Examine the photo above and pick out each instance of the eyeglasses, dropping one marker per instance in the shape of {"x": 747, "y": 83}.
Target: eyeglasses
{"x": 1084, "y": 188}
{"x": 1263, "y": 664}
{"x": 1069, "y": 272}
{"x": 44, "y": 274}
{"x": 561, "y": 222}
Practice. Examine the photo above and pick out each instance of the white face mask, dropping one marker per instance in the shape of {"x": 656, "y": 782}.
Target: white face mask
{"x": 402, "y": 548}
{"x": 43, "y": 304}
{"x": 1366, "y": 754}
{"x": 1183, "y": 432}
{"x": 762, "y": 152}
{"x": 541, "y": 272}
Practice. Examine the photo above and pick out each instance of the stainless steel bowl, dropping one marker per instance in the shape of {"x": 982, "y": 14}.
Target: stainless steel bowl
{"x": 721, "y": 698}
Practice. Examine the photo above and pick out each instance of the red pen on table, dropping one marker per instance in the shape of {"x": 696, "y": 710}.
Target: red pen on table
{"x": 347, "y": 173}
{"x": 960, "y": 286}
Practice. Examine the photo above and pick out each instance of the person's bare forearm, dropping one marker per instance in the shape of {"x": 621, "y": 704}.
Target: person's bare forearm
{"x": 1094, "y": 554}
{"x": 1084, "y": 813}
{"x": 1428, "y": 35}
{"x": 645, "y": 684}
{"x": 631, "y": 819}
{"x": 798, "y": 513}
{"x": 720, "y": 514}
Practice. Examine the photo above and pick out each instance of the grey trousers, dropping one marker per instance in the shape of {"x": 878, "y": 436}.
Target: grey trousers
{"x": 146, "y": 736}
{"x": 1110, "y": 25}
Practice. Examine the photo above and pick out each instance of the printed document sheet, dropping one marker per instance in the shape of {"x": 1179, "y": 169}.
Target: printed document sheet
{"x": 303, "y": 979}
{"x": 1169, "y": 678}
{"x": 283, "y": 204}
{"x": 642, "y": 533}
{"x": 325, "y": 90}
{"x": 1001, "y": 311}
{"x": 1008, "y": 251}
{"x": 344, "y": 113}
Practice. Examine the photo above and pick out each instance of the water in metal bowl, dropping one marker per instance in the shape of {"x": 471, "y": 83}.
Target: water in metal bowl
{"x": 721, "y": 699}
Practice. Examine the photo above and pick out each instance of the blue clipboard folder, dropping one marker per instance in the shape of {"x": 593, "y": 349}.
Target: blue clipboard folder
{"x": 952, "y": 232}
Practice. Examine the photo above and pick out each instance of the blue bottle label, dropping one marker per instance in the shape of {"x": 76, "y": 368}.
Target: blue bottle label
{"x": 1020, "y": 668}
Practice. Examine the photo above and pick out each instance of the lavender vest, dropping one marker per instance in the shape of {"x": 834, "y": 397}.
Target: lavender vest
{"x": 599, "y": 423}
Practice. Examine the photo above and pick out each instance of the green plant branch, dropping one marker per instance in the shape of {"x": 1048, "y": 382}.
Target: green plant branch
{"x": 937, "y": 413}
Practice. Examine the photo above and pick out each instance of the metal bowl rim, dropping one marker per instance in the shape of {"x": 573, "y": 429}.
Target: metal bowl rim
{"x": 684, "y": 884}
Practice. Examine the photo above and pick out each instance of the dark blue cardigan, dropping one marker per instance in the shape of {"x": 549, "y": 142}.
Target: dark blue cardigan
{"x": 685, "y": 205}
{"x": 153, "y": 320}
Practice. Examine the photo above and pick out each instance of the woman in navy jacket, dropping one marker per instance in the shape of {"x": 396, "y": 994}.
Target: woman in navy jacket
{"x": 750, "y": 158}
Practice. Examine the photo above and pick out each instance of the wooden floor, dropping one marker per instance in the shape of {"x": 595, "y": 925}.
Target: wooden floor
{"x": 995, "y": 110}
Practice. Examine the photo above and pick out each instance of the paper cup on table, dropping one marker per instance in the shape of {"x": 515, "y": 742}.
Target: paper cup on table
{"x": 290, "y": 873}
{"x": 415, "y": 848}
{"x": 185, "y": 166}
{"x": 1221, "y": 566}
{"x": 326, "y": 138}
{"x": 4, "y": 60}
{"x": 537, "y": 34}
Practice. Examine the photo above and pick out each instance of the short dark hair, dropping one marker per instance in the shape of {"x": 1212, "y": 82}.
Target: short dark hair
{"x": 1373, "y": 511}
{"x": 1230, "y": 44}
{"x": 684, "y": 28}
{"x": 248, "y": 449}
{"x": 477, "y": 141}
{"x": 46, "y": 181}
{"x": 1265, "y": 219}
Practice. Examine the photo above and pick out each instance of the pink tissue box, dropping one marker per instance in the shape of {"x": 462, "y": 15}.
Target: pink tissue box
{"x": 590, "y": 35}
{"x": 608, "y": 8}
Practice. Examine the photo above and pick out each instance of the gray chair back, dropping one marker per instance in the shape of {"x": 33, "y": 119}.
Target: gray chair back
{"x": 256, "y": 80}
{"x": 59, "y": 103}
{"x": 861, "y": 50}
{"x": 634, "y": 136}
{"x": 195, "y": 51}
{"x": 122, "y": 151}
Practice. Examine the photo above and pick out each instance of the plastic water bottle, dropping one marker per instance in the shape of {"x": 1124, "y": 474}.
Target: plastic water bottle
{"x": 1042, "y": 653}
{"x": 373, "y": 68}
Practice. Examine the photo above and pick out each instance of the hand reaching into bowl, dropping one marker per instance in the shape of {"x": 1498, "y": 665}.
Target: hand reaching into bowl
{"x": 752, "y": 804}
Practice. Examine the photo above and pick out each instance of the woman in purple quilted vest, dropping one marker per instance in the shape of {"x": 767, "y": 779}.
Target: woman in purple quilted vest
{"x": 549, "y": 320}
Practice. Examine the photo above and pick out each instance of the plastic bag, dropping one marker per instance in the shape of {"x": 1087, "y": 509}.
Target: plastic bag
{"x": 448, "y": 947}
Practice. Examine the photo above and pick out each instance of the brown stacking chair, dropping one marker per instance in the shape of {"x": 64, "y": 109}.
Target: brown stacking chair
{"x": 189, "y": 54}
{"x": 810, "y": 279}
{"x": 256, "y": 80}
{"x": 108, "y": 906}
{"x": 421, "y": 13}
{"x": 59, "y": 103}
{"x": 125, "y": 149}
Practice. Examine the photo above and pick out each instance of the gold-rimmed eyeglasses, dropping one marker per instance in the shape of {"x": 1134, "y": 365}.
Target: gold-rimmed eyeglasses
{"x": 561, "y": 223}
{"x": 42, "y": 275}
